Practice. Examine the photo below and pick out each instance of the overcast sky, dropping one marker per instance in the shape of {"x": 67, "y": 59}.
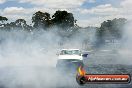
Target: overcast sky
{"x": 87, "y": 12}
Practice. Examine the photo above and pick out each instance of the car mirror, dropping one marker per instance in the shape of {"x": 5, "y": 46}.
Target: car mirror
{"x": 84, "y": 55}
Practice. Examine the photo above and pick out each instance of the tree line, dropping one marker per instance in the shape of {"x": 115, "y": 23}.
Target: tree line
{"x": 42, "y": 20}
{"x": 110, "y": 29}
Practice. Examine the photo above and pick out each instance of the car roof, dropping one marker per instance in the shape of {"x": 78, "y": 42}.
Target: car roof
{"x": 70, "y": 49}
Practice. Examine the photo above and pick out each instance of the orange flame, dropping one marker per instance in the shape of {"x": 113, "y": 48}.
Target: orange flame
{"x": 81, "y": 71}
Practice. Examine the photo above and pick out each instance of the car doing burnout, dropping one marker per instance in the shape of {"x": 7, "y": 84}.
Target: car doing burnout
{"x": 69, "y": 59}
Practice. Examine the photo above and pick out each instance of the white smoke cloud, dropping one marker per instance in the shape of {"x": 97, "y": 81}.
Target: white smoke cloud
{"x": 2, "y": 1}
{"x": 28, "y": 60}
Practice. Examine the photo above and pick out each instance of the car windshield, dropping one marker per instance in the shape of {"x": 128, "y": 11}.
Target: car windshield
{"x": 70, "y": 52}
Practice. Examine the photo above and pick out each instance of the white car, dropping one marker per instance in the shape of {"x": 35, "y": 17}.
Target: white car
{"x": 69, "y": 59}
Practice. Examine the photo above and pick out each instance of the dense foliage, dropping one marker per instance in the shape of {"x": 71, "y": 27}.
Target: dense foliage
{"x": 111, "y": 30}
{"x": 66, "y": 23}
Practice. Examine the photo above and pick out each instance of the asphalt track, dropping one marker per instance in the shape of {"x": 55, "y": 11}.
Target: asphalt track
{"x": 50, "y": 77}
{"x": 41, "y": 77}
{"x": 104, "y": 69}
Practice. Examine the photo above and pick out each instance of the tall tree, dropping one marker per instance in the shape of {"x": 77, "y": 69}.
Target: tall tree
{"x": 2, "y": 24}
{"x": 20, "y": 23}
{"x": 41, "y": 20}
{"x": 63, "y": 19}
{"x": 111, "y": 29}
{"x": 2, "y": 19}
